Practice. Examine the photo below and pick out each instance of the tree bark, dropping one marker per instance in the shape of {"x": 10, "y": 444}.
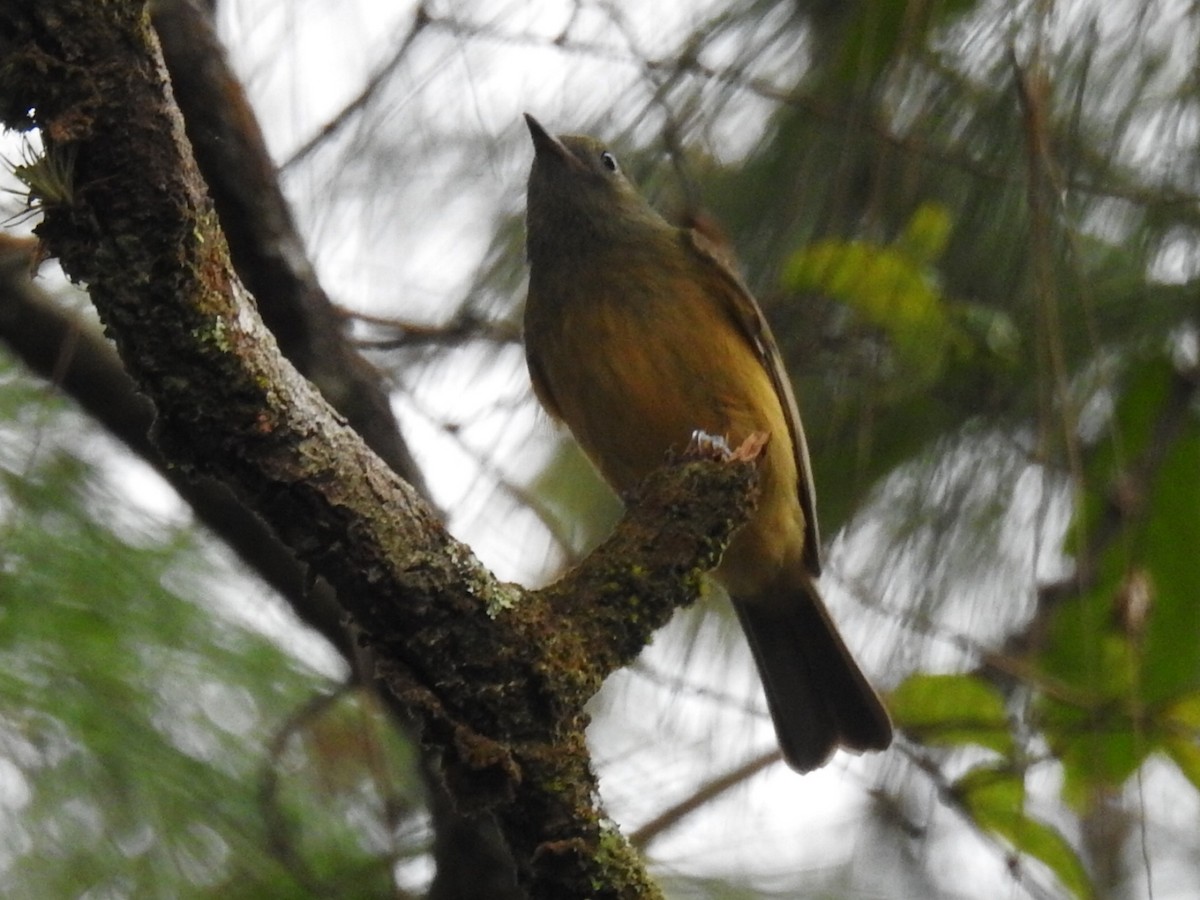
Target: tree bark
{"x": 497, "y": 676}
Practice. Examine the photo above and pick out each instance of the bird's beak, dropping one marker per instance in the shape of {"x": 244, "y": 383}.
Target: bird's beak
{"x": 546, "y": 145}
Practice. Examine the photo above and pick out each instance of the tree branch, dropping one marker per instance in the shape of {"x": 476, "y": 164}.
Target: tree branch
{"x": 267, "y": 249}
{"x": 270, "y": 258}
{"x": 498, "y": 676}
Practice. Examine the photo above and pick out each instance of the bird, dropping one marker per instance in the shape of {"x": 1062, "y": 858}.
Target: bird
{"x": 638, "y": 335}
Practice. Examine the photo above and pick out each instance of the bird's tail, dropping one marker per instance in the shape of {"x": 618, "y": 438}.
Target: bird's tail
{"x": 818, "y": 697}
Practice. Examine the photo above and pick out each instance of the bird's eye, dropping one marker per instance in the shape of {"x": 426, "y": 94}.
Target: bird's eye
{"x": 608, "y": 161}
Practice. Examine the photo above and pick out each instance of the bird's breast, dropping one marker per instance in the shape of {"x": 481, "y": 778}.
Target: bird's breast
{"x": 635, "y": 367}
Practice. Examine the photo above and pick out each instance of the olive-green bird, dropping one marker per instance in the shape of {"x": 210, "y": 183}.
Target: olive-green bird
{"x": 637, "y": 335}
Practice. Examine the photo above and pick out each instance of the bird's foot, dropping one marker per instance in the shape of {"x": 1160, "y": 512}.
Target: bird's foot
{"x": 716, "y": 447}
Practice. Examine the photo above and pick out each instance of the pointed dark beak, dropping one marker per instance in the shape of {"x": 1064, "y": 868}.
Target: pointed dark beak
{"x": 546, "y": 145}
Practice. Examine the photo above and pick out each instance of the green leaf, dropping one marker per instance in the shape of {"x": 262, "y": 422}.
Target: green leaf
{"x": 952, "y": 710}
{"x": 1098, "y": 748}
{"x": 892, "y": 288}
{"x": 1182, "y": 743}
{"x": 925, "y": 236}
{"x": 995, "y": 799}
{"x": 1169, "y": 541}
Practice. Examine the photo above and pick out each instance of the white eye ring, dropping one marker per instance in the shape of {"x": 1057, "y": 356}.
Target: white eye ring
{"x": 608, "y": 161}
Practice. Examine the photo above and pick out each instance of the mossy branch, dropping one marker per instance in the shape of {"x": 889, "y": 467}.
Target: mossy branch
{"x": 499, "y": 676}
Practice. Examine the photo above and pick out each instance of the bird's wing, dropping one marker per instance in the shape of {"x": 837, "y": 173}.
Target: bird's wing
{"x": 748, "y": 318}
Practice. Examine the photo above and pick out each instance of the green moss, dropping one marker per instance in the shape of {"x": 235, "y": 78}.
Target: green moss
{"x": 501, "y": 598}
{"x": 618, "y": 863}
{"x": 215, "y": 334}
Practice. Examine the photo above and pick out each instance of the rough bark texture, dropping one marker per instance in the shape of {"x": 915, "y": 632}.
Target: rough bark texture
{"x": 265, "y": 245}
{"x": 497, "y": 676}
{"x": 271, "y": 260}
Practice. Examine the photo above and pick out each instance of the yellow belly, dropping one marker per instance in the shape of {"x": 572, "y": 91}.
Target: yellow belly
{"x": 634, "y": 382}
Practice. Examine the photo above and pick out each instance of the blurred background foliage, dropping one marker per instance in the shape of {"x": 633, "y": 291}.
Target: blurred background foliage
{"x": 973, "y": 226}
{"x": 155, "y": 742}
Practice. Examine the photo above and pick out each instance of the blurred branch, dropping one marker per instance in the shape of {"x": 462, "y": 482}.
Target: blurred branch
{"x": 1044, "y": 186}
{"x": 462, "y": 329}
{"x": 673, "y": 815}
{"x": 1118, "y": 184}
{"x": 281, "y": 838}
{"x": 364, "y": 97}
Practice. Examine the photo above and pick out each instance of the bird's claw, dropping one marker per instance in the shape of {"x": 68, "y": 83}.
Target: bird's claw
{"x": 703, "y": 445}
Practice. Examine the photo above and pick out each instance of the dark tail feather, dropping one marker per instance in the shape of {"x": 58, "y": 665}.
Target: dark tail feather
{"x": 818, "y": 697}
